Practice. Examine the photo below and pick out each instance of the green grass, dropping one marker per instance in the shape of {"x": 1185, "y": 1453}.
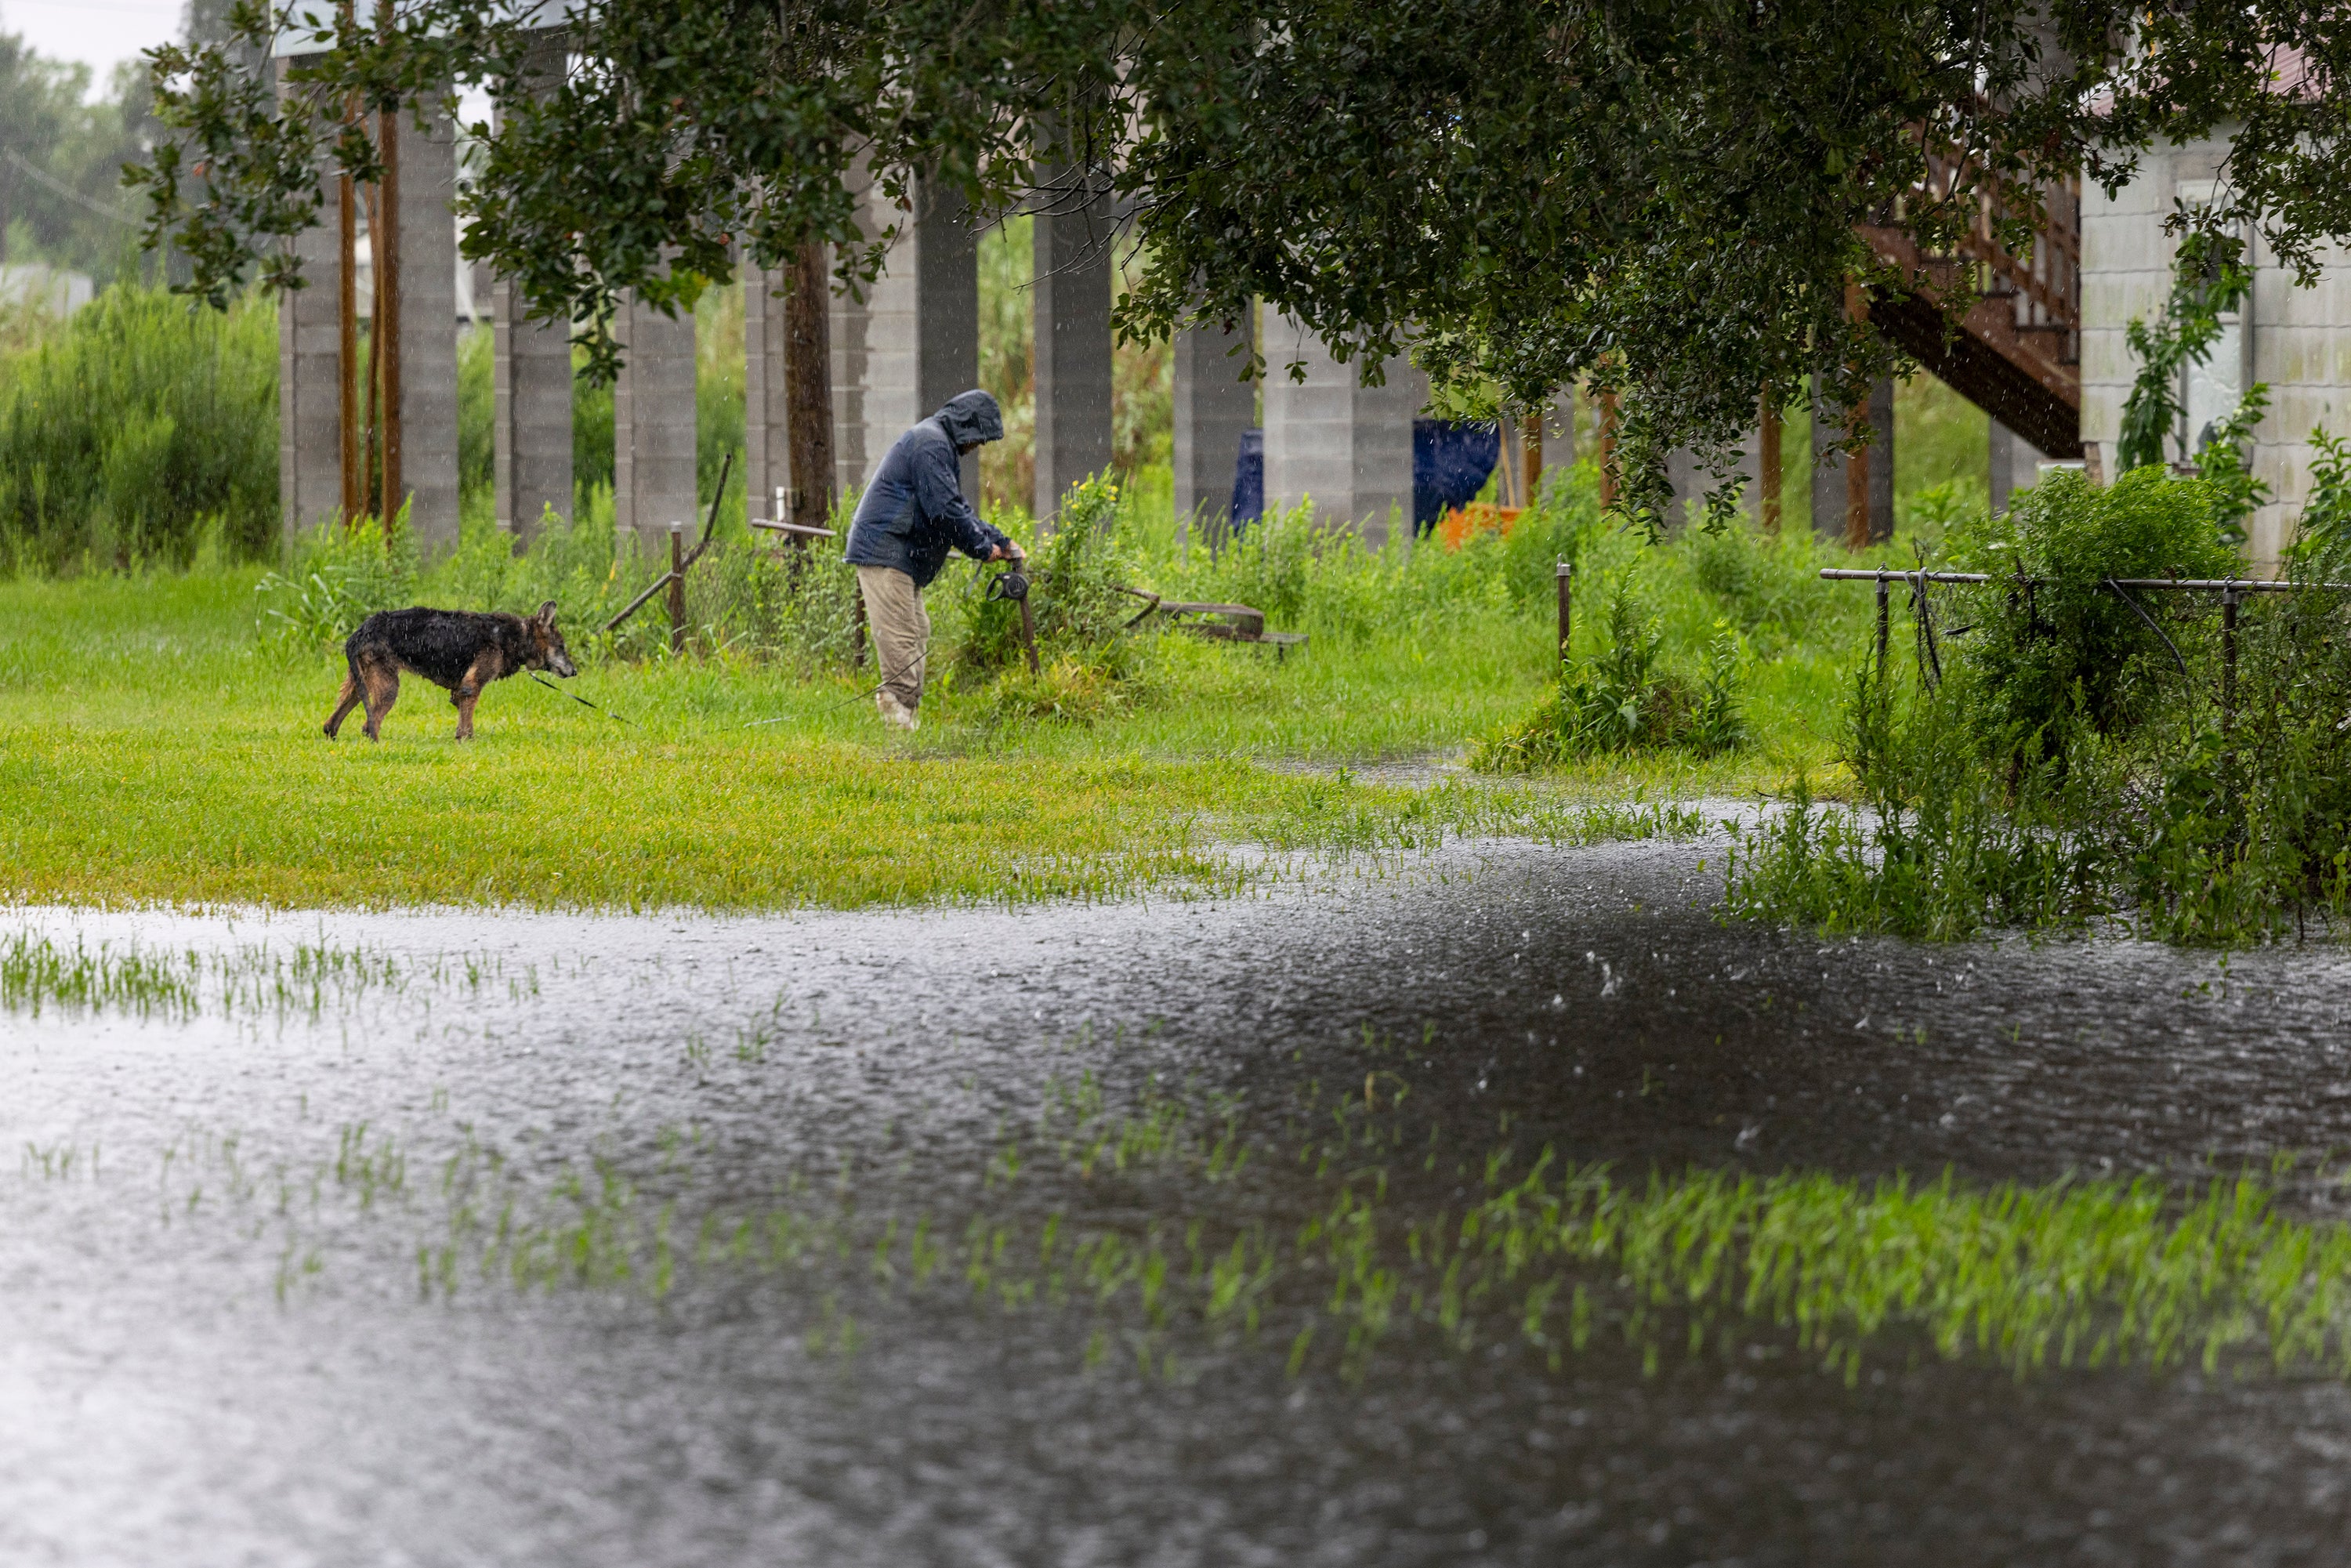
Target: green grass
{"x": 1555, "y": 1259}
{"x": 157, "y": 749}
{"x": 162, "y": 746}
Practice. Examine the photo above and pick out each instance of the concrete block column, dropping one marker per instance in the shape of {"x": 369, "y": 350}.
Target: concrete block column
{"x": 913, "y": 342}
{"x": 428, "y": 330}
{"x": 653, "y": 427}
{"x": 2015, "y": 463}
{"x": 1346, "y": 445}
{"x": 309, "y": 381}
{"x": 1691, "y": 482}
{"x": 767, "y": 424}
{"x": 1213, "y": 407}
{"x": 309, "y": 385}
{"x": 532, "y": 418}
{"x": 1829, "y": 500}
{"x": 1072, "y": 294}
{"x": 531, "y": 423}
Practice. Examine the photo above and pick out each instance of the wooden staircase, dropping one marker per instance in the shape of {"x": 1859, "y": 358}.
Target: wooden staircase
{"x": 2018, "y": 353}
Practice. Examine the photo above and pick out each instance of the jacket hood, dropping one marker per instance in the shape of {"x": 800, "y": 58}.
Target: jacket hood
{"x": 971, "y": 417}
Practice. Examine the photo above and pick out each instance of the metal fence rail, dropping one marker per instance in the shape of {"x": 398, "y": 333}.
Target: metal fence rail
{"x": 2231, "y": 591}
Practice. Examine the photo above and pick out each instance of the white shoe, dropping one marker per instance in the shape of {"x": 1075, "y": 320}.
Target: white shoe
{"x": 895, "y": 711}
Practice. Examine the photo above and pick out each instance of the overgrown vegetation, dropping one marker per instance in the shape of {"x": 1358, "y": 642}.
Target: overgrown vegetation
{"x": 2056, "y": 750}
{"x": 139, "y": 433}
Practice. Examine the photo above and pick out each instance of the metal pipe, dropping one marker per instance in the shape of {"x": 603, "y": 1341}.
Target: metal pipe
{"x": 1883, "y": 616}
{"x": 677, "y": 588}
{"x": 1566, "y": 605}
{"x": 2206, "y": 584}
{"x": 2229, "y": 601}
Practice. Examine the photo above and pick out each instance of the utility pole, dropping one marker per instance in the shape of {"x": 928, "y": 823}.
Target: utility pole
{"x": 1770, "y": 441}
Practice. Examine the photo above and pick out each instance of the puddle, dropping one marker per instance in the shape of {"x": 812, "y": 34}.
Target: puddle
{"x": 256, "y": 1302}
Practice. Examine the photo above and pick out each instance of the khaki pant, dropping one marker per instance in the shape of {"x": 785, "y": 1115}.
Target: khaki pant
{"x": 901, "y": 628}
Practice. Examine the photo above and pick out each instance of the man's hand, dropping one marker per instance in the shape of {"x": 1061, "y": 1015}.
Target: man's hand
{"x": 1007, "y": 551}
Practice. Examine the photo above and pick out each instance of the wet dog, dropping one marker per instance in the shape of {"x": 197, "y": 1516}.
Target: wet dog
{"x": 457, "y": 649}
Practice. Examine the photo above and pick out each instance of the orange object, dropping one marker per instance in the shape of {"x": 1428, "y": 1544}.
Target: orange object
{"x": 1455, "y": 526}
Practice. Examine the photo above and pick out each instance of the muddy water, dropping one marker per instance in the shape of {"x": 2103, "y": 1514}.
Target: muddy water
{"x": 218, "y": 1342}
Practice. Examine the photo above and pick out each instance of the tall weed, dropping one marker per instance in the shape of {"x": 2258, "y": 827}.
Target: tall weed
{"x": 129, "y": 432}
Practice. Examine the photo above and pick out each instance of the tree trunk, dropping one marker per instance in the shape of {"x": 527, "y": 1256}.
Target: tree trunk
{"x": 386, "y": 244}
{"x": 808, "y": 385}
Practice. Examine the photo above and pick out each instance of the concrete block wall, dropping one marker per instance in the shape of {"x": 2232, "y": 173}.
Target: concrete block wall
{"x": 1345, "y": 445}
{"x": 532, "y": 417}
{"x": 767, "y": 430}
{"x": 653, "y": 428}
{"x": 309, "y": 384}
{"x": 1691, "y": 482}
{"x": 1213, "y": 407}
{"x": 2301, "y": 348}
{"x": 1073, "y": 298}
{"x": 531, "y": 414}
{"x": 428, "y": 331}
{"x": 1830, "y": 501}
{"x": 2014, "y": 462}
{"x": 2300, "y": 338}
{"x": 913, "y": 342}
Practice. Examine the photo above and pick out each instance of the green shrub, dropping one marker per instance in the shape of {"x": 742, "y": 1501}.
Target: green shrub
{"x": 2067, "y": 768}
{"x": 2066, "y": 650}
{"x": 1623, "y": 699}
{"x": 1078, "y": 575}
{"x": 132, "y": 430}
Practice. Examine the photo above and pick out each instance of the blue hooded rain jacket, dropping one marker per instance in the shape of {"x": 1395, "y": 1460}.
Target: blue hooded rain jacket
{"x": 914, "y": 511}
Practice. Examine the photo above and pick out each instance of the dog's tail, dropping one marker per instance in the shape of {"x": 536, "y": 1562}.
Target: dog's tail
{"x": 353, "y": 644}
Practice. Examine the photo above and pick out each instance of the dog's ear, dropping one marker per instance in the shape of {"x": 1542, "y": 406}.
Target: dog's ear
{"x": 546, "y": 613}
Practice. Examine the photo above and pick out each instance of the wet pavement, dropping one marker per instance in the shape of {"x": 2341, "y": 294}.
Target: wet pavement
{"x": 233, "y": 1328}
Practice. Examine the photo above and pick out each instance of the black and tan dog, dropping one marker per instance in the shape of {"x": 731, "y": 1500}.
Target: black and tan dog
{"x": 455, "y": 648}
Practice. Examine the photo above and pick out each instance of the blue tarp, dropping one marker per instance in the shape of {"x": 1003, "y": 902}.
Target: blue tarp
{"x": 1249, "y": 480}
{"x": 1450, "y": 464}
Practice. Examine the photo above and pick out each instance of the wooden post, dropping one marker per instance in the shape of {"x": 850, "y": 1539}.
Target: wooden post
{"x": 1531, "y": 447}
{"x": 677, "y": 588}
{"x": 807, "y": 390}
{"x": 1770, "y": 440}
{"x": 384, "y": 240}
{"x": 1566, "y": 606}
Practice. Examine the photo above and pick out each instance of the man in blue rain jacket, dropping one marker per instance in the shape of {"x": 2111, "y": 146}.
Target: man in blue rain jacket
{"x": 912, "y": 514}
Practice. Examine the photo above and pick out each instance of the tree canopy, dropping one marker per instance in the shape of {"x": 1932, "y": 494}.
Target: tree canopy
{"x": 1656, "y": 195}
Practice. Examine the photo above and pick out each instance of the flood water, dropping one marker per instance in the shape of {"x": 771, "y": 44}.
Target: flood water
{"x": 234, "y": 1328}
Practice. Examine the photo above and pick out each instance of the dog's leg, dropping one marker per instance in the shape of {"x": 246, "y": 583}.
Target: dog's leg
{"x": 347, "y": 700}
{"x": 485, "y": 669}
{"x": 382, "y": 682}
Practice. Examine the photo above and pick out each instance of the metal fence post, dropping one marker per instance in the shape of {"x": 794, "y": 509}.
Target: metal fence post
{"x": 1566, "y": 592}
{"x": 1882, "y": 616}
{"x": 2229, "y": 597}
{"x": 677, "y": 588}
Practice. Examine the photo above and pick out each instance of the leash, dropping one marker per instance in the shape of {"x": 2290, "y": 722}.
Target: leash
{"x": 575, "y": 696}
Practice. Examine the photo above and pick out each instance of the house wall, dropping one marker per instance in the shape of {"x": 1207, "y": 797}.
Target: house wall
{"x": 2300, "y": 338}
